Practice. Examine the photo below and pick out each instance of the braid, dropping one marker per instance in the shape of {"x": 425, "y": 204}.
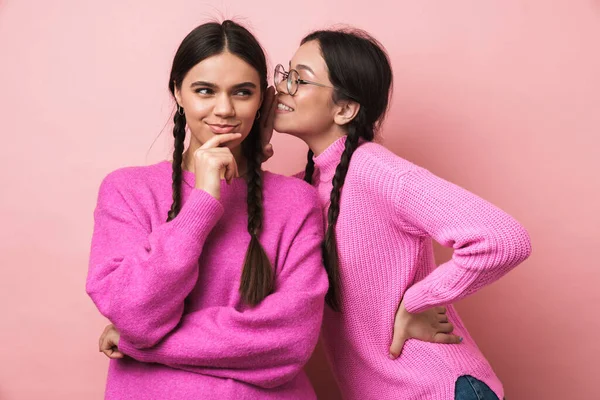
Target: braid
{"x": 330, "y": 253}
{"x": 254, "y": 179}
{"x": 310, "y": 167}
{"x": 179, "y": 135}
{"x": 257, "y": 275}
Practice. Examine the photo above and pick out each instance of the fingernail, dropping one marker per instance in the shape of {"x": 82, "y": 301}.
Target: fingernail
{"x": 391, "y": 356}
{"x": 460, "y": 339}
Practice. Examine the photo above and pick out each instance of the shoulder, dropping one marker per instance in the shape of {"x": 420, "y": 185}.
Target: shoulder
{"x": 289, "y": 189}
{"x": 292, "y": 206}
{"x": 123, "y": 184}
{"x": 372, "y": 159}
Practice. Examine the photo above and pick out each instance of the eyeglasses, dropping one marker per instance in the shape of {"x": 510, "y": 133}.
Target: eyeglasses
{"x": 293, "y": 80}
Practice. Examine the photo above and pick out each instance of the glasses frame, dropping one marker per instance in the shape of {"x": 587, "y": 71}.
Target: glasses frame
{"x": 288, "y": 76}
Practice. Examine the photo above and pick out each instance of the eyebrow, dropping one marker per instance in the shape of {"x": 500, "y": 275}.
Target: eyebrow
{"x": 302, "y": 66}
{"x": 212, "y": 85}
{"x": 305, "y": 67}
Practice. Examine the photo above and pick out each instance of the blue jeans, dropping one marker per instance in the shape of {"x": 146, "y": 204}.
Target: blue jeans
{"x": 469, "y": 388}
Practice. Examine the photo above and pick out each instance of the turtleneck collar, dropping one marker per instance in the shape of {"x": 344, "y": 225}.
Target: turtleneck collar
{"x": 328, "y": 160}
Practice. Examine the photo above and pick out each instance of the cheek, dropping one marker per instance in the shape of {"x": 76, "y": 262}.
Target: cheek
{"x": 196, "y": 108}
{"x": 246, "y": 112}
{"x": 316, "y": 109}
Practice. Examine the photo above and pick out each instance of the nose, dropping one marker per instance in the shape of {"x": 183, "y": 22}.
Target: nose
{"x": 224, "y": 106}
{"x": 282, "y": 87}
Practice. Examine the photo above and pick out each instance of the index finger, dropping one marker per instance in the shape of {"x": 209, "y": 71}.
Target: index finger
{"x": 218, "y": 140}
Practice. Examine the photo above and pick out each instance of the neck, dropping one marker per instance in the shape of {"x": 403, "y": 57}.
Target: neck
{"x": 319, "y": 143}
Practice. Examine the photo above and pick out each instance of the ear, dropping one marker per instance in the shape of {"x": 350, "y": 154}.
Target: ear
{"x": 346, "y": 112}
{"x": 178, "y": 96}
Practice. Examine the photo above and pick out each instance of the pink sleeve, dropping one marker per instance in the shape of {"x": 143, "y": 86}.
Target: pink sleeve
{"x": 139, "y": 278}
{"x": 266, "y": 345}
{"x": 487, "y": 242}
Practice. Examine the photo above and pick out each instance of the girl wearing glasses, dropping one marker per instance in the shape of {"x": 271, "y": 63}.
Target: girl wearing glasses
{"x": 210, "y": 294}
{"x": 383, "y": 214}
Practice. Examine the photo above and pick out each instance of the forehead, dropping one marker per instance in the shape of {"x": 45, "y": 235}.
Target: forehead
{"x": 223, "y": 69}
{"x": 309, "y": 54}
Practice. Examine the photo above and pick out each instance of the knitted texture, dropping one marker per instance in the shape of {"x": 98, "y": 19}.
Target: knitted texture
{"x": 390, "y": 212}
{"x": 172, "y": 288}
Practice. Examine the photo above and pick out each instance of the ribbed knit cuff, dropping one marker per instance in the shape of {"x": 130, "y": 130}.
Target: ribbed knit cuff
{"x": 199, "y": 214}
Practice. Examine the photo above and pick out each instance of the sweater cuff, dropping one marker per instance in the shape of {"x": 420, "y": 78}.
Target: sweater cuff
{"x": 416, "y": 299}
{"x": 199, "y": 214}
{"x": 129, "y": 350}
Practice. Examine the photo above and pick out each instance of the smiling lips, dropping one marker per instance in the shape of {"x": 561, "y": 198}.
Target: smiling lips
{"x": 220, "y": 128}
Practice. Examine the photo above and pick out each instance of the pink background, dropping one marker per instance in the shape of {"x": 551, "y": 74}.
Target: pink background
{"x": 501, "y": 97}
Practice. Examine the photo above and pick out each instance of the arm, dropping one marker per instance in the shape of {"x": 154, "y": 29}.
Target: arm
{"x": 487, "y": 242}
{"x": 139, "y": 278}
{"x": 266, "y": 345}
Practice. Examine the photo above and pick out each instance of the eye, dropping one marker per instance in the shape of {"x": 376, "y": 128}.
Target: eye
{"x": 204, "y": 91}
{"x": 243, "y": 93}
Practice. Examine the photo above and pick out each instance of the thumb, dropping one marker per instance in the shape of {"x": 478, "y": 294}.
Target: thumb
{"x": 115, "y": 354}
{"x": 398, "y": 340}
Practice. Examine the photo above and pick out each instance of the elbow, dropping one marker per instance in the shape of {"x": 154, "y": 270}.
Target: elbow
{"x": 510, "y": 246}
{"x": 527, "y": 248}
{"x": 520, "y": 243}
{"x": 141, "y": 332}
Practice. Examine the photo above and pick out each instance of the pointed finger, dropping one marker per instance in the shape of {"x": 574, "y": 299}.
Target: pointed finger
{"x": 219, "y": 140}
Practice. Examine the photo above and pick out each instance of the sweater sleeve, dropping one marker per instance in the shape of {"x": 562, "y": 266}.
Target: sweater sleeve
{"x": 266, "y": 345}
{"x": 487, "y": 242}
{"x": 138, "y": 277}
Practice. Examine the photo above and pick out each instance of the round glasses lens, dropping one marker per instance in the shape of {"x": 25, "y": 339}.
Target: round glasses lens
{"x": 292, "y": 82}
{"x": 279, "y": 74}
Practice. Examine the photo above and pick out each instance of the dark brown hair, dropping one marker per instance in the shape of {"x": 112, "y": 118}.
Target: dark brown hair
{"x": 205, "y": 41}
{"x": 359, "y": 70}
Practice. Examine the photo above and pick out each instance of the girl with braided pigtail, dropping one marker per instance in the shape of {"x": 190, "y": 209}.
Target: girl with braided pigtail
{"x": 383, "y": 214}
{"x": 209, "y": 269}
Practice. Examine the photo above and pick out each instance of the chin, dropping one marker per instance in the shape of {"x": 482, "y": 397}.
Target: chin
{"x": 285, "y": 128}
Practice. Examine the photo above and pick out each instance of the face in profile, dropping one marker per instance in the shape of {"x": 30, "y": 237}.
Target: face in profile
{"x": 311, "y": 109}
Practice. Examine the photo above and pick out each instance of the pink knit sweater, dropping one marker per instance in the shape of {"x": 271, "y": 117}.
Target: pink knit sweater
{"x": 390, "y": 212}
{"x": 171, "y": 288}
